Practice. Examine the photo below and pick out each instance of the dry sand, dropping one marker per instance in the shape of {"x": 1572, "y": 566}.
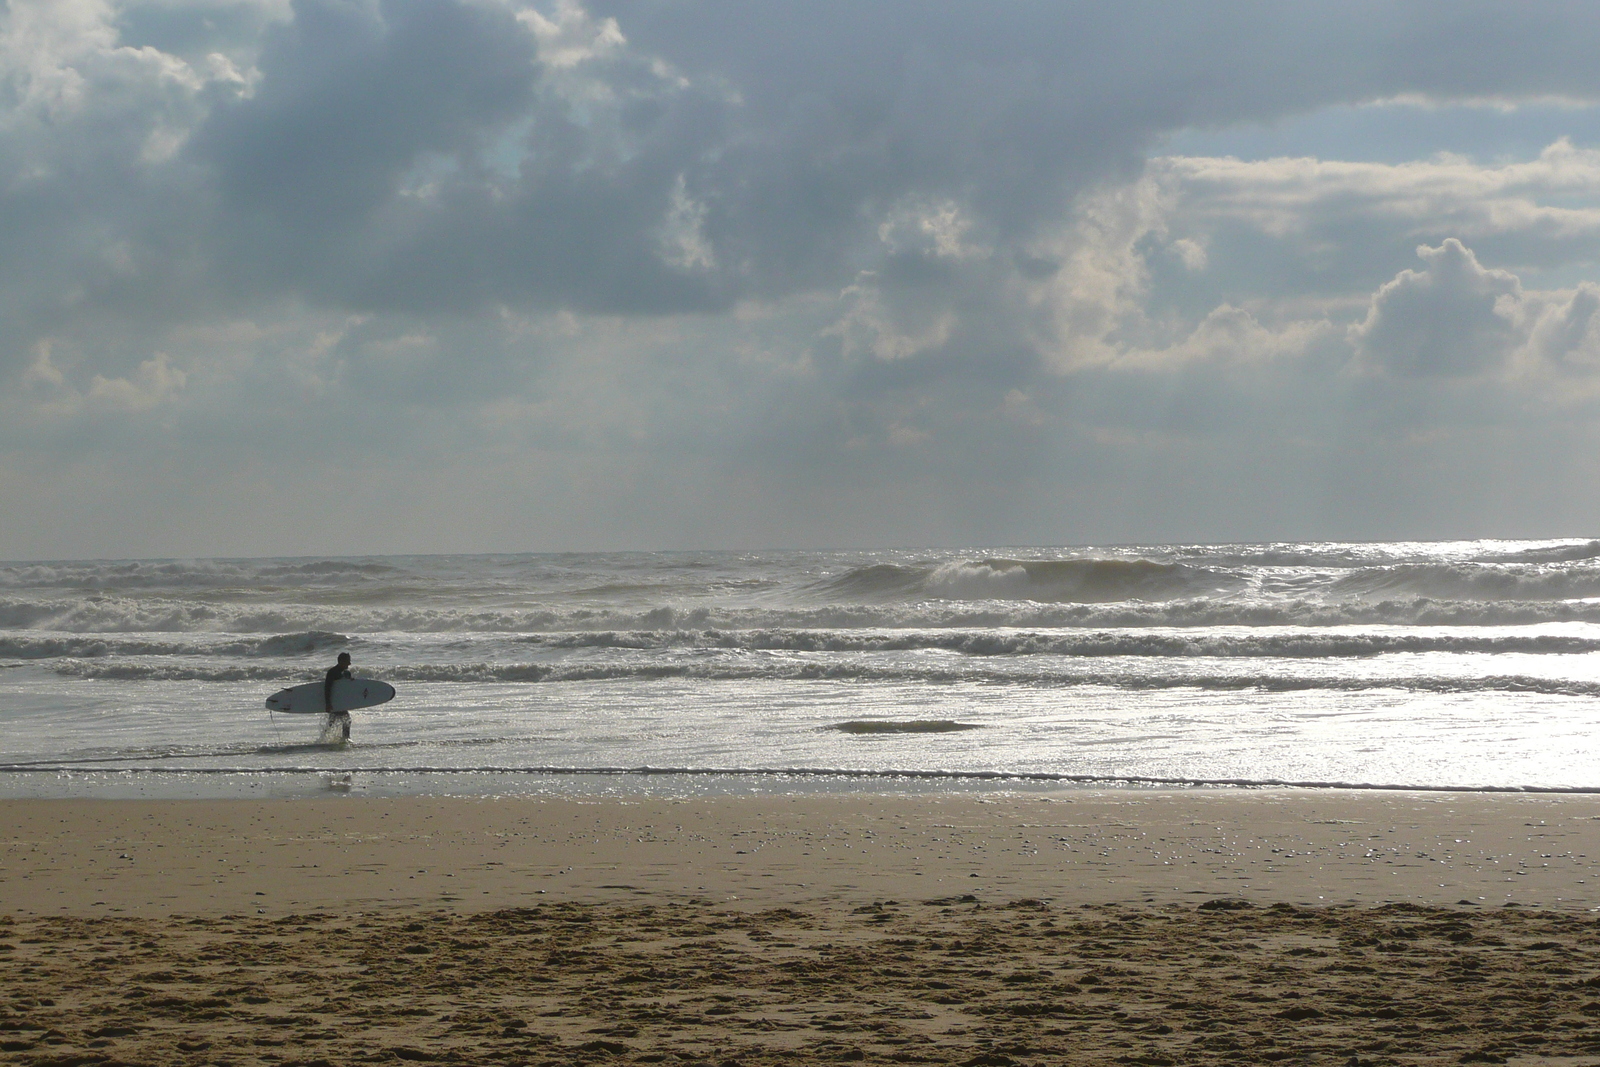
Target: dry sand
{"x": 1125, "y": 926}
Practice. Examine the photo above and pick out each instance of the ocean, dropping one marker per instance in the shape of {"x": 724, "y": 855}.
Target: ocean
{"x": 1459, "y": 665}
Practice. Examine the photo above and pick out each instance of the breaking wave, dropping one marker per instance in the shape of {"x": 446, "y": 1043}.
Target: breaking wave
{"x": 191, "y": 574}
{"x": 1194, "y": 587}
{"x": 1060, "y": 581}
{"x": 1498, "y": 582}
{"x": 1349, "y": 555}
{"x": 1104, "y": 643}
{"x": 1559, "y": 553}
{"x": 51, "y": 646}
{"x": 110, "y": 616}
{"x": 1176, "y": 643}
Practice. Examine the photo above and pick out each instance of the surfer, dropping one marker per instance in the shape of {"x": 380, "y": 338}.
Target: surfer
{"x": 335, "y": 672}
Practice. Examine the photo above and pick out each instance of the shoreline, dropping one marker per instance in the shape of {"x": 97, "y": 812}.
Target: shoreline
{"x": 56, "y": 781}
{"x": 995, "y": 781}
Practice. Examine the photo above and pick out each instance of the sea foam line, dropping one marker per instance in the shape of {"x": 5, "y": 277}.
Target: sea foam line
{"x": 826, "y": 772}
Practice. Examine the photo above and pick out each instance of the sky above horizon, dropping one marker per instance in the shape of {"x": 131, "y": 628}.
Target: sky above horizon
{"x": 288, "y": 277}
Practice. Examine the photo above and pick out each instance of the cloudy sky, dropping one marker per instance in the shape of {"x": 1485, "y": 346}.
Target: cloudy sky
{"x": 347, "y": 276}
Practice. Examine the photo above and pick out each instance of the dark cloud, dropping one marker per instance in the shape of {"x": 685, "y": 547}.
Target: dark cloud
{"x": 793, "y": 129}
{"x": 352, "y": 98}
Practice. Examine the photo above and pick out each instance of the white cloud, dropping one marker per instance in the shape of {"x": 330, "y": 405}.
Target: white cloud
{"x": 157, "y": 381}
{"x": 871, "y": 326}
{"x": 1189, "y": 252}
{"x": 683, "y": 232}
{"x": 570, "y": 36}
{"x": 1546, "y": 209}
{"x": 1566, "y": 333}
{"x": 63, "y": 64}
{"x": 1094, "y": 275}
{"x": 43, "y": 370}
{"x": 916, "y": 227}
{"x": 1453, "y": 318}
{"x": 1277, "y": 195}
{"x": 1230, "y": 337}
{"x": 54, "y": 399}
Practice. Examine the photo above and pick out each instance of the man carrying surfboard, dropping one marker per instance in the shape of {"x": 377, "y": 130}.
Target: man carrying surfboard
{"x": 335, "y": 672}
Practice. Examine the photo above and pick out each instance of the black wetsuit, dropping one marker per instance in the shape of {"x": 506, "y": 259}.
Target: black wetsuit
{"x": 335, "y": 672}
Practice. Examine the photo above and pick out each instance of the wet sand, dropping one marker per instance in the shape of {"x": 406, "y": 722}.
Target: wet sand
{"x": 1132, "y": 926}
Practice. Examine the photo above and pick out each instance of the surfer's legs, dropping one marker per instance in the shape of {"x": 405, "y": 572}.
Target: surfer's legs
{"x": 344, "y": 723}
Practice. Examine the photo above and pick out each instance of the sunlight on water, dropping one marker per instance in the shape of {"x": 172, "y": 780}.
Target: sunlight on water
{"x": 1459, "y": 665}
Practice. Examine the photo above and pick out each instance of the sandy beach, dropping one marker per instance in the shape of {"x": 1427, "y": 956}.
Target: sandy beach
{"x": 1134, "y": 926}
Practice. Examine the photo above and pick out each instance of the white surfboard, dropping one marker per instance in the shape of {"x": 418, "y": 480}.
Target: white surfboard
{"x": 348, "y": 694}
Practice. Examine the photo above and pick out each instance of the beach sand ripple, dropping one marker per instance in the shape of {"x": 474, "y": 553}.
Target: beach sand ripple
{"x": 944, "y": 981}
